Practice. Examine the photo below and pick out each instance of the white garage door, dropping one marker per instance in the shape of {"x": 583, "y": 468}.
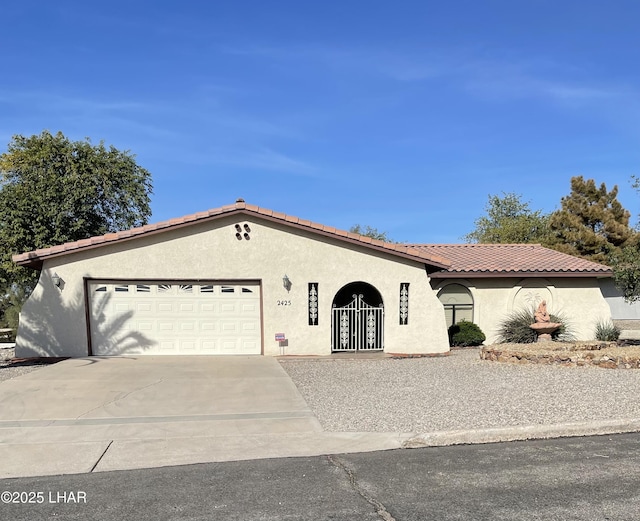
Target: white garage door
{"x": 174, "y": 318}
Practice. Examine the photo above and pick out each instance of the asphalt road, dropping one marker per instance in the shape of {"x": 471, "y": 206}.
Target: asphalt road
{"x": 596, "y": 478}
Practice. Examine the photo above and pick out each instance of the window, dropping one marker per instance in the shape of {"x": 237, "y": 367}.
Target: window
{"x": 208, "y": 288}
{"x": 122, "y": 289}
{"x": 457, "y": 302}
{"x": 143, "y": 288}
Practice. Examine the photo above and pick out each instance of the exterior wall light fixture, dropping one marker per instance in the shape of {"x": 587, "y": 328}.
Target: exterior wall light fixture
{"x": 57, "y": 281}
{"x": 286, "y": 283}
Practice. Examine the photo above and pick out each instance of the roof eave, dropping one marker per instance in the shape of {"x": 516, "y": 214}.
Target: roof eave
{"x": 35, "y": 261}
{"x": 398, "y": 253}
{"x": 511, "y": 274}
{"x": 30, "y": 261}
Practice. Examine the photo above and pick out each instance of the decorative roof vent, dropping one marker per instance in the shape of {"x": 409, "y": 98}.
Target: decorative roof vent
{"x": 239, "y": 200}
{"x": 239, "y": 233}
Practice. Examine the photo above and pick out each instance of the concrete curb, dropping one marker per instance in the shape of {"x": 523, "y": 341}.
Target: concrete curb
{"x": 520, "y": 433}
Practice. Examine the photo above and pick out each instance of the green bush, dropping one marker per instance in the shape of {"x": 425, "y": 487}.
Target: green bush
{"x": 8, "y": 336}
{"x": 465, "y": 334}
{"x": 11, "y": 301}
{"x": 607, "y": 331}
{"x": 515, "y": 328}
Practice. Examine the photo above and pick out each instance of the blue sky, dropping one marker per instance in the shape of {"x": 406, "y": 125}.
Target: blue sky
{"x": 401, "y": 115}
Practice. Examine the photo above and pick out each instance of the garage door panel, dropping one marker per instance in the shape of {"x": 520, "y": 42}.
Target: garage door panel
{"x": 166, "y": 326}
{"x": 229, "y": 327}
{"x": 168, "y": 346}
{"x": 188, "y": 345}
{"x": 229, "y": 346}
{"x": 175, "y": 318}
{"x": 248, "y": 326}
{"x": 209, "y": 346}
{"x": 249, "y": 346}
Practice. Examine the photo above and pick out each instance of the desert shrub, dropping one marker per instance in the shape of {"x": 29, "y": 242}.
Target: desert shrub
{"x": 514, "y": 329}
{"x": 607, "y": 331}
{"x": 465, "y": 334}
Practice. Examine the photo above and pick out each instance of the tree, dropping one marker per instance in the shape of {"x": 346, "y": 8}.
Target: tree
{"x": 368, "y": 231}
{"x": 591, "y": 222}
{"x": 626, "y": 263}
{"x": 508, "y": 220}
{"x": 626, "y": 272}
{"x": 53, "y": 190}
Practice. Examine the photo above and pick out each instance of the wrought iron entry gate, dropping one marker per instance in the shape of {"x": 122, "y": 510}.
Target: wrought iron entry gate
{"x": 357, "y": 326}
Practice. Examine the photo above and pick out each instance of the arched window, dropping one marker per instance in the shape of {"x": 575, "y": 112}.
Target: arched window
{"x": 457, "y": 302}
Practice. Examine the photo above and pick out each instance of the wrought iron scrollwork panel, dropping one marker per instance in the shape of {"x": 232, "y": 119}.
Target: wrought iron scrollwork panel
{"x": 313, "y": 303}
{"x": 357, "y": 326}
{"x": 404, "y": 303}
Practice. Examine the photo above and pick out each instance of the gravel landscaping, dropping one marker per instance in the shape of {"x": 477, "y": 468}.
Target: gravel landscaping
{"x": 459, "y": 391}
{"x": 9, "y": 369}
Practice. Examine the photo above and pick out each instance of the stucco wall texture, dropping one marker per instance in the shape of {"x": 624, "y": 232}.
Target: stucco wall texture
{"x": 54, "y": 321}
{"x": 578, "y": 299}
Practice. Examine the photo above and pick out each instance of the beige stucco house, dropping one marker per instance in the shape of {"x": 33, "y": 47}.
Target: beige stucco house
{"x": 246, "y": 280}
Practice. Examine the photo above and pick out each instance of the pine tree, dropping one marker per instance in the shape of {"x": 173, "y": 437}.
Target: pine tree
{"x": 591, "y": 222}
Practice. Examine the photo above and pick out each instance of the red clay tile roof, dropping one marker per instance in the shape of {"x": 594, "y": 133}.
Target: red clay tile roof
{"x": 454, "y": 260}
{"x": 34, "y": 259}
{"x": 502, "y": 260}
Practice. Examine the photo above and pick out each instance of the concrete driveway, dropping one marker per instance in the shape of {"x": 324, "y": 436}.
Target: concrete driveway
{"x": 95, "y": 414}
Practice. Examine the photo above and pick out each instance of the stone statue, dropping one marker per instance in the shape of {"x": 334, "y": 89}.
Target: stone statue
{"x": 543, "y": 325}
{"x": 542, "y": 315}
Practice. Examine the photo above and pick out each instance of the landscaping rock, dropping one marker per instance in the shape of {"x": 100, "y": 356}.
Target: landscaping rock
{"x": 607, "y": 355}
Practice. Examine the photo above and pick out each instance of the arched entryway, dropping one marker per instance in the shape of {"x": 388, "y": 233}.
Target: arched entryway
{"x": 357, "y": 319}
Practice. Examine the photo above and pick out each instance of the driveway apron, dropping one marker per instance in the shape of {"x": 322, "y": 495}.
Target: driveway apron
{"x": 88, "y": 414}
